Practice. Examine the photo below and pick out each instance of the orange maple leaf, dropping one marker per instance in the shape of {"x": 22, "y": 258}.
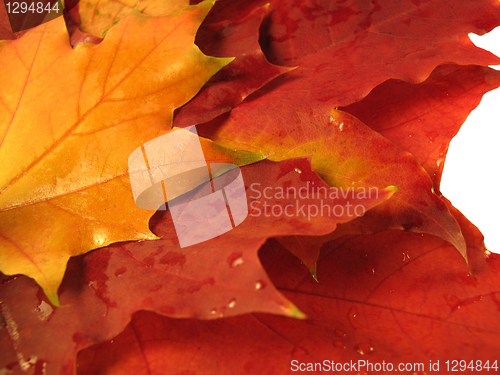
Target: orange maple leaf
{"x": 97, "y": 16}
{"x": 64, "y": 185}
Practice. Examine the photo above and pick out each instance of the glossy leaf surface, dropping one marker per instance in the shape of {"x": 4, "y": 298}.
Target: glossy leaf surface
{"x": 73, "y": 172}
{"x": 333, "y": 46}
{"x": 237, "y": 36}
{"x": 423, "y": 118}
{"x": 420, "y": 119}
{"x": 364, "y": 94}
{"x": 217, "y": 278}
{"x": 346, "y": 153}
{"x": 97, "y": 16}
{"x": 378, "y": 290}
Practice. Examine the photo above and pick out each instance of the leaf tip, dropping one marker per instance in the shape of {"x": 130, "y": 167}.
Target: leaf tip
{"x": 392, "y": 189}
{"x": 314, "y": 274}
{"x": 53, "y": 298}
{"x": 259, "y": 156}
{"x": 225, "y": 60}
{"x": 294, "y": 312}
{"x": 152, "y": 237}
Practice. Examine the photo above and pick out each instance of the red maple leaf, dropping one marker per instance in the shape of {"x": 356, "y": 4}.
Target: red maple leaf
{"x": 378, "y": 91}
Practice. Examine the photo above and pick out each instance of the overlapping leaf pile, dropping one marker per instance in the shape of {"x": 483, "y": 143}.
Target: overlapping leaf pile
{"x": 351, "y": 95}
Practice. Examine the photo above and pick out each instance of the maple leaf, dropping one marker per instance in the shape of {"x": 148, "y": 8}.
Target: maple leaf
{"x": 411, "y": 39}
{"x": 219, "y": 277}
{"x": 407, "y": 114}
{"x": 73, "y": 173}
{"x": 332, "y": 71}
{"x": 393, "y": 296}
{"x": 5, "y": 28}
{"x": 97, "y": 16}
{"x": 347, "y": 154}
{"x": 236, "y": 36}
{"x": 396, "y": 297}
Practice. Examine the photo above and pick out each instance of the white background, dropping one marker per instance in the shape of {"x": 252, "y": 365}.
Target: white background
{"x": 471, "y": 176}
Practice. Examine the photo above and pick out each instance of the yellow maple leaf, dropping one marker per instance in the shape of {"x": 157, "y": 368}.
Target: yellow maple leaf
{"x": 97, "y": 16}
{"x": 69, "y": 119}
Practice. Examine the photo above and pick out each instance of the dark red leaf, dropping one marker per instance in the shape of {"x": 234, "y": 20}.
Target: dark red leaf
{"x": 423, "y": 118}
{"x": 395, "y": 297}
{"x": 249, "y": 71}
{"x": 216, "y": 278}
{"x": 342, "y": 52}
{"x": 5, "y": 28}
{"x": 410, "y": 32}
{"x": 23, "y": 20}
{"x": 345, "y": 153}
{"x": 420, "y": 119}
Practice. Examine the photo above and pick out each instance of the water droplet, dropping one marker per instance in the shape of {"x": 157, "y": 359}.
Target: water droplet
{"x": 298, "y": 170}
{"x": 351, "y": 316}
{"x": 120, "y": 271}
{"x": 232, "y": 303}
{"x": 9, "y": 279}
{"x": 317, "y": 308}
{"x": 44, "y": 310}
{"x": 410, "y": 135}
{"x": 78, "y": 338}
{"x": 259, "y": 284}
{"x": 370, "y": 270}
{"x": 155, "y": 288}
{"x": 431, "y": 136}
{"x": 439, "y": 161}
{"x": 32, "y": 361}
{"x": 364, "y": 348}
{"x": 299, "y": 352}
{"x": 330, "y": 119}
{"x": 166, "y": 309}
{"x": 339, "y": 344}
{"x": 466, "y": 302}
{"x": 237, "y": 262}
{"x": 173, "y": 258}
{"x": 235, "y": 259}
{"x": 341, "y": 126}
{"x": 339, "y": 333}
{"x": 213, "y": 311}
